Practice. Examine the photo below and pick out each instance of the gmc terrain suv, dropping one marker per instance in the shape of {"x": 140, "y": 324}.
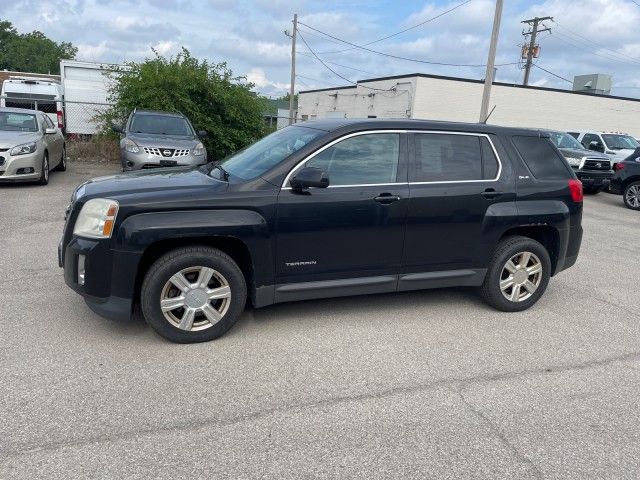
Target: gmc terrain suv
{"x": 152, "y": 139}
{"x": 323, "y": 209}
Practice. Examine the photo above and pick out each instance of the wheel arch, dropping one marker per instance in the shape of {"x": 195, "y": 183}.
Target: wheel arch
{"x": 232, "y": 246}
{"x": 546, "y": 235}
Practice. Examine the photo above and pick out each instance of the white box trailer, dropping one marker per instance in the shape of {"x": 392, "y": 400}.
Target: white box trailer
{"x": 86, "y": 91}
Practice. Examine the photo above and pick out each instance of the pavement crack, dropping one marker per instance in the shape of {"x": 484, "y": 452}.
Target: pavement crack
{"x": 500, "y": 435}
{"x": 459, "y": 384}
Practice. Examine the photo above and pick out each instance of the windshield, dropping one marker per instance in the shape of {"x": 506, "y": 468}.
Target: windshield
{"x": 18, "y": 122}
{"x": 564, "y": 140}
{"x": 160, "y": 125}
{"x": 620, "y": 142}
{"x": 258, "y": 158}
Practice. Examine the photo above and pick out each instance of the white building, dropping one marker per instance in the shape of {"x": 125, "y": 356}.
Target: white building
{"x": 437, "y": 97}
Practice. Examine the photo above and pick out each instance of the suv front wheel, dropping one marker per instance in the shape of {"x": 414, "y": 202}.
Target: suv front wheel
{"x": 193, "y": 294}
{"x": 631, "y": 196}
{"x": 518, "y": 274}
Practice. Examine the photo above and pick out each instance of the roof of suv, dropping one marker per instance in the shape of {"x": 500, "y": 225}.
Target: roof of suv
{"x": 332, "y": 124}
{"x": 159, "y": 112}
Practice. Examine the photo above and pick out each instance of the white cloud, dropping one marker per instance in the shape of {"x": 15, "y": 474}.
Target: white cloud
{"x": 258, "y": 77}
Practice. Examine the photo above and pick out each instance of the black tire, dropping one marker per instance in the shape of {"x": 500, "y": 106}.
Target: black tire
{"x": 628, "y": 196}
{"x": 505, "y": 251}
{"x": 62, "y": 166}
{"x": 592, "y": 190}
{"x": 44, "y": 170}
{"x": 183, "y": 258}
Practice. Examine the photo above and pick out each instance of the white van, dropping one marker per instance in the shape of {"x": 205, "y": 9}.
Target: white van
{"x": 34, "y": 93}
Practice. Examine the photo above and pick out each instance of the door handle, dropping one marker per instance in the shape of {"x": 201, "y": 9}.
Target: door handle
{"x": 386, "y": 198}
{"x": 490, "y": 193}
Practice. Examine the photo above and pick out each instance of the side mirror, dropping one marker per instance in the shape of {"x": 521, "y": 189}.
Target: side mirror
{"x": 50, "y": 131}
{"x": 202, "y": 133}
{"x": 596, "y": 146}
{"x": 116, "y": 129}
{"x": 310, "y": 177}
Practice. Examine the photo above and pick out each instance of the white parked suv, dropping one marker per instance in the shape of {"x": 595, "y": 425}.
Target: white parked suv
{"x": 616, "y": 145}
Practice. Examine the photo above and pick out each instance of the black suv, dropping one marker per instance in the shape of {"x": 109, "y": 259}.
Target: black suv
{"x": 322, "y": 209}
{"x": 626, "y": 180}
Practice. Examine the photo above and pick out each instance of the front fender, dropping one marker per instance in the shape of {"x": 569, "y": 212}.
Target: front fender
{"x": 138, "y": 232}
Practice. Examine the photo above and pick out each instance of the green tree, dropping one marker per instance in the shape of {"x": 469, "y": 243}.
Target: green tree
{"x": 208, "y": 94}
{"x": 31, "y": 52}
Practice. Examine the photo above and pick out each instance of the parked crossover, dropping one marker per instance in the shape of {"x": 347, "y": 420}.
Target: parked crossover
{"x": 323, "y": 209}
{"x": 152, "y": 139}
{"x": 30, "y": 146}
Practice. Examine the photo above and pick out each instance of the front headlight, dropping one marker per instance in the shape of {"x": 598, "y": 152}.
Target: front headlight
{"x": 573, "y": 161}
{"x": 131, "y": 146}
{"x": 96, "y": 218}
{"x": 24, "y": 149}
{"x": 199, "y": 149}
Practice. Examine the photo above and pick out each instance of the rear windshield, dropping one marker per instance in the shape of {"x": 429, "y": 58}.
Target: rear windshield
{"x": 160, "y": 125}
{"x": 18, "y": 122}
{"x": 543, "y": 160}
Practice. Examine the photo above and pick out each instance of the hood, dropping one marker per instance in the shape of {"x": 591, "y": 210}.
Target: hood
{"x": 11, "y": 139}
{"x": 146, "y": 183}
{"x": 621, "y": 154}
{"x": 163, "y": 141}
{"x": 579, "y": 153}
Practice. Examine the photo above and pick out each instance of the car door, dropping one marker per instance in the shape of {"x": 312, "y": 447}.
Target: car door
{"x": 353, "y": 229}
{"x": 51, "y": 140}
{"x": 454, "y": 178}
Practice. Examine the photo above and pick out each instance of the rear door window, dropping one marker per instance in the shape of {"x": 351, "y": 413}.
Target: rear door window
{"x": 542, "y": 159}
{"x": 442, "y": 157}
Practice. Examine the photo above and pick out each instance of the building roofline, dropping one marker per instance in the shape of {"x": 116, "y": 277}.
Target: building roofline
{"x": 471, "y": 80}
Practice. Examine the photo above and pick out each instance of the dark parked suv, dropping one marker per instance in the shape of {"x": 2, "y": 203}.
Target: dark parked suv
{"x": 626, "y": 180}
{"x": 322, "y": 209}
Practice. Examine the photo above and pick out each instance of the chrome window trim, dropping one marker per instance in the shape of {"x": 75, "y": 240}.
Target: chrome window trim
{"x": 368, "y": 132}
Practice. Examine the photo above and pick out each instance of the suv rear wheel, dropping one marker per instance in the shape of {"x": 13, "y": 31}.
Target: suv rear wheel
{"x": 518, "y": 274}
{"x": 631, "y": 196}
{"x": 193, "y": 294}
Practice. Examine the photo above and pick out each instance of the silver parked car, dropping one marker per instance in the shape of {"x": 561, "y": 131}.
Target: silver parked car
{"x": 30, "y": 146}
{"x": 153, "y": 139}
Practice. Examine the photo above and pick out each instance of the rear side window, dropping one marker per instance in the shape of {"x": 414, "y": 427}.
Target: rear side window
{"x": 543, "y": 160}
{"x": 450, "y": 158}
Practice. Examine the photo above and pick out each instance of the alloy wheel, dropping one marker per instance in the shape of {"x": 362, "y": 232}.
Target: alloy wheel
{"x": 521, "y": 276}
{"x": 195, "y": 298}
{"x": 632, "y": 195}
{"x": 45, "y": 167}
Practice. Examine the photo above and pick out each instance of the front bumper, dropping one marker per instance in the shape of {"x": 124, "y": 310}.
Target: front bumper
{"x": 10, "y": 164}
{"x": 109, "y": 275}
{"x": 137, "y": 161}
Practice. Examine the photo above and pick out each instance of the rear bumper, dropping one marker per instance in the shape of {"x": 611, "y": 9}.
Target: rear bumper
{"x": 574, "y": 241}
{"x": 109, "y": 276}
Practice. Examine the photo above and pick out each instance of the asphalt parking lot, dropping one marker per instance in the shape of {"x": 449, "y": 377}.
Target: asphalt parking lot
{"x": 419, "y": 385}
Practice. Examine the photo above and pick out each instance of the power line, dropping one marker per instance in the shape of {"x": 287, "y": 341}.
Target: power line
{"x": 309, "y": 54}
{"x": 406, "y": 29}
{"x": 334, "y": 72}
{"x": 398, "y": 57}
{"x": 583, "y": 39}
{"x": 551, "y": 73}
{"x": 571, "y": 41}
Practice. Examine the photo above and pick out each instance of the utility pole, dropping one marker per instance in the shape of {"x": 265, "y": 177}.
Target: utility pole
{"x": 293, "y": 67}
{"x": 532, "y": 43}
{"x": 490, "y": 73}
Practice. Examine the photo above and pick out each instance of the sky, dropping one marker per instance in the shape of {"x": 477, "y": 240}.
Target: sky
{"x": 589, "y": 36}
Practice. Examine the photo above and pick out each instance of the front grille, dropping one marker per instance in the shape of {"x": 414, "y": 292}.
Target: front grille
{"x": 596, "y": 164}
{"x": 166, "y": 152}
{"x": 152, "y": 165}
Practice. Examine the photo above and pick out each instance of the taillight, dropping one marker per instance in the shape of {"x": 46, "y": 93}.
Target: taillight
{"x": 575, "y": 187}
{"x": 618, "y": 166}
{"x": 60, "y": 123}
